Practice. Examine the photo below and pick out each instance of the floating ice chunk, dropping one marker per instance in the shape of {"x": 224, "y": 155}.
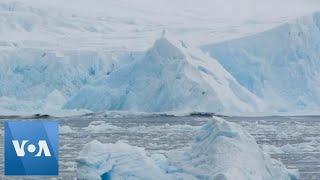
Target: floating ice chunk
{"x": 116, "y": 161}
{"x": 66, "y": 130}
{"x": 101, "y": 127}
{"x": 222, "y": 150}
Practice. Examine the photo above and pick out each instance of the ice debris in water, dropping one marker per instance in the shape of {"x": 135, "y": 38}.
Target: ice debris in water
{"x": 221, "y": 150}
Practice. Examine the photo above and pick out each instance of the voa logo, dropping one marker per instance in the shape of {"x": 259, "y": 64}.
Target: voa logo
{"x": 42, "y": 144}
{"x": 31, "y": 148}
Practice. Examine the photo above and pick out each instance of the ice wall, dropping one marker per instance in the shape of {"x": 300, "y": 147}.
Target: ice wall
{"x": 281, "y": 65}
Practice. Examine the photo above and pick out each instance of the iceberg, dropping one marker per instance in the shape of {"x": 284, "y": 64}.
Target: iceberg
{"x": 221, "y": 150}
{"x": 170, "y": 76}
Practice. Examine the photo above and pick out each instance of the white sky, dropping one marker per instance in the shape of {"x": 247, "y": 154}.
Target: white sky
{"x": 212, "y": 8}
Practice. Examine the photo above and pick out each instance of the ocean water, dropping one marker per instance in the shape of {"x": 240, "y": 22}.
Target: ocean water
{"x": 293, "y": 140}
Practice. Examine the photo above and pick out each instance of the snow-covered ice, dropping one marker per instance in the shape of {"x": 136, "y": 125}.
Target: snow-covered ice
{"x": 221, "y": 150}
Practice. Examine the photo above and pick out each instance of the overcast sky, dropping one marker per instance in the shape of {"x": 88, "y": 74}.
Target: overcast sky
{"x": 211, "y": 8}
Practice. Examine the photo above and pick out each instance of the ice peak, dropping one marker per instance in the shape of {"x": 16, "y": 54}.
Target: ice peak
{"x": 166, "y": 49}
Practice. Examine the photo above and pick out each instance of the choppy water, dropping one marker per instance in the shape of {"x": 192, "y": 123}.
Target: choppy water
{"x": 293, "y": 140}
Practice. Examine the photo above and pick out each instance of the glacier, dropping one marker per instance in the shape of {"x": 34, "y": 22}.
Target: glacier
{"x": 51, "y": 55}
{"x": 170, "y": 76}
{"x": 281, "y": 66}
{"x": 221, "y": 150}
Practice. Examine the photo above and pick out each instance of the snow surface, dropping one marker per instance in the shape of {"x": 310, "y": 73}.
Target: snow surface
{"x": 281, "y": 65}
{"x": 221, "y": 150}
{"x": 171, "y": 76}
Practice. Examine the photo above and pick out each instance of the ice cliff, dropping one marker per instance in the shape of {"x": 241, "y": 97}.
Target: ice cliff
{"x": 36, "y": 80}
